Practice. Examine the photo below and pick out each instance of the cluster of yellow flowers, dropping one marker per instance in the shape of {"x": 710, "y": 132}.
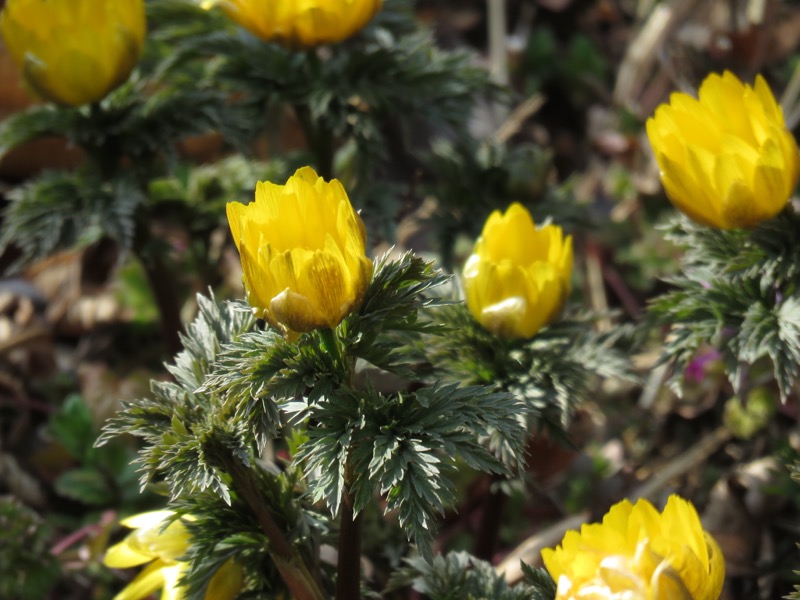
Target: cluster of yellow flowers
{"x": 726, "y": 159}
{"x": 636, "y": 553}
{"x": 303, "y": 253}
{"x": 74, "y": 52}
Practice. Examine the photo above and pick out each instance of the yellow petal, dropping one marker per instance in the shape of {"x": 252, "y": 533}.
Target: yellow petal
{"x": 716, "y": 569}
{"x": 122, "y": 556}
{"x": 687, "y": 195}
{"x": 226, "y": 583}
{"x": 142, "y": 545}
{"x": 303, "y": 252}
{"x": 172, "y": 589}
{"x": 154, "y": 518}
{"x": 639, "y": 553}
{"x": 74, "y": 52}
{"x": 301, "y": 24}
{"x": 739, "y": 207}
{"x": 145, "y": 583}
{"x": 726, "y": 159}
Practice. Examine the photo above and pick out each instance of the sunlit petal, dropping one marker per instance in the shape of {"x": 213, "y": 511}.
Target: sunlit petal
{"x": 74, "y": 52}
{"x": 298, "y": 24}
{"x": 726, "y": 159}
{"x": 637, "y": 553}
{"x": 518, "y": 277}
{"x": 303, "y": 252}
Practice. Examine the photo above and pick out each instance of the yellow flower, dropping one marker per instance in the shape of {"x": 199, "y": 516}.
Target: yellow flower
{"x": 163, "y": 547}
{"x": 727, "y": 159}
{"x": 300, "y": 23}
{"x": 73, "y": 52}
{"x": 638, "y": 553}
{"x": 518, "y": 277}
{"x": 303, "y": 254}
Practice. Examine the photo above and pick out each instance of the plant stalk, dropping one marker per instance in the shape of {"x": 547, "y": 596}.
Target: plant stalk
{"x": 162, "y": 281}
{"x": 319, "y": 140}
{"x": 295, "y": 573}
{"x": 162, "y": 284}
{"x": 348, "y": 567}
{"x": 494, "y": 504}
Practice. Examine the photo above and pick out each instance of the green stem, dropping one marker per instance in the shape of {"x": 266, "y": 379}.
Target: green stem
{"x": 319, "y": 140}
{"x": 331, "y": 345}
{"x": 493, "y": 507}
{"x": 348, "y": 566}
{"x": 106, "y": 159}
{"x": 162, "y": 281}
{"x": 295, "y": 573}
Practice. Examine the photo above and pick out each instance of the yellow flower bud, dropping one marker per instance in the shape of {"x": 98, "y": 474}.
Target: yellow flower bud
{"x": 300, "y": 23}
{"x": 303, "y": 252}
{"x": 726, "y": 159}
{"x": 162, "y": 548}
{"x": 518, "y": 277}
{"x": 637, "y": 553}
{"x": 73, "y": 52}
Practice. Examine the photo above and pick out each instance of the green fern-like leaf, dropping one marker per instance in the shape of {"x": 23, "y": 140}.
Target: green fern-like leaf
{"x": 404, "y": 446}
{"x": 30, "y": 571}
{"x": 182, "y": 426}
{"x": 550, "y": 373}
{"x": 739, "y": 291}
{"x": 35, "y": 122}
{"x": 459, "y": 576}
{"x": 59, "y": 211}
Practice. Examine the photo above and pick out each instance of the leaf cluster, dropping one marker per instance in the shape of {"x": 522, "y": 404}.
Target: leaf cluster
{"x": 401, "y": 444}
{"x": 262, "y": 364}
{"x": 30, "y": 570}
{"x": 352, "y": 91}
{"x": 135, "y": 123}
{"x": 103, "y": 476}
{"x": 207, "y": 188}
{"x": 549, "y": 373}
{"x": 459, "y": 576}
{"x": 390, "y": 313}
{"x": 61, "y": 210}
{"x": 236, "y": 388}
{"x": 182, "y": 426}
{"x": 404, "y": 445}
{"x": 739, "y": 290}
{"x": 220, "y": 532}
{"x": 471, "y": 178}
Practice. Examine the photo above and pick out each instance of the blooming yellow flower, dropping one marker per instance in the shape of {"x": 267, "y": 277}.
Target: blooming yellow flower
{"x": 151, "y": 542}
{"x": 518, "y": 277}
{"x": 726, "y": 159}
{"x": 300, "y": 23}
{"x": 73, "y": 52}
{"x": 303, "y": 253}
{"x": 638, "y": 553}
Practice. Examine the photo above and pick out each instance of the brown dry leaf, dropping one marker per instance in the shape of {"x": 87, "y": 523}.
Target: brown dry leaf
{"x": 75, "y": 286}
{"x": 737, "y": 532}
{"x": 26, "y": 347}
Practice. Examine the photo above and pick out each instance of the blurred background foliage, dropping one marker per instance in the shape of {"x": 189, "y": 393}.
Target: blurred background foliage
{"x": 654, "y": 382}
